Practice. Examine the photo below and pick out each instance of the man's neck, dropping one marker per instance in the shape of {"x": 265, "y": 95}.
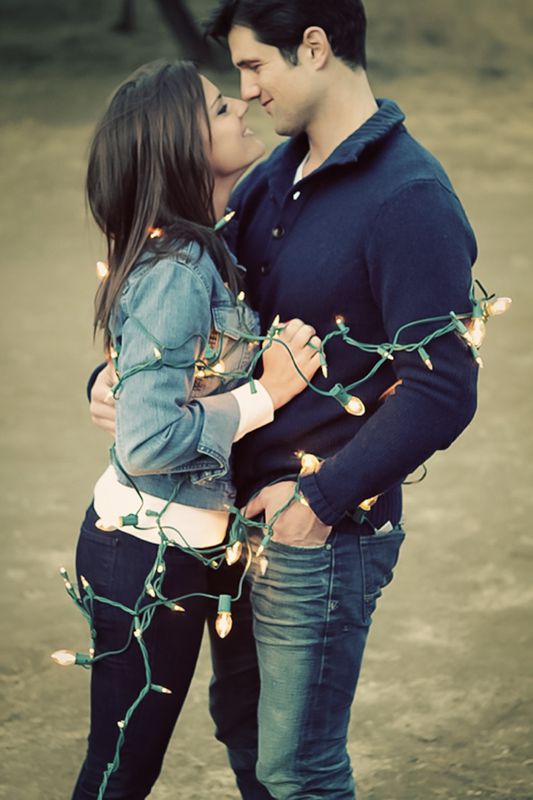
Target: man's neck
{"x": 349, "y": 105}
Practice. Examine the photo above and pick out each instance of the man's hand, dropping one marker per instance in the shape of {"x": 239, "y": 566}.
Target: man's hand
{"x": 102, "y": 405}
{"x": 298, "y": 525}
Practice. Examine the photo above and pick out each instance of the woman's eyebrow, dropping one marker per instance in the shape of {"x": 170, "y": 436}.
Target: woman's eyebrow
{"x": 216, "y": 100}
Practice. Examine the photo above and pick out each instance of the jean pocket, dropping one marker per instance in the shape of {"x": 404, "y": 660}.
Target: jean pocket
{"x": 283, "y": 547}
{"x": 95, "y": 557}
{"x": 379, "y": 555}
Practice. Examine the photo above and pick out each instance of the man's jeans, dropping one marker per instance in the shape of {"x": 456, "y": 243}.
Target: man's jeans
{"x": 312, "y": 610}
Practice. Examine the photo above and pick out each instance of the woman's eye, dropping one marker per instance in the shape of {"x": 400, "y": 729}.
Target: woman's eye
{"x": 223, "y": 108}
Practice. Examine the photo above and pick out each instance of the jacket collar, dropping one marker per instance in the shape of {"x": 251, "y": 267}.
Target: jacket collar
{"x": 285, "y": 161}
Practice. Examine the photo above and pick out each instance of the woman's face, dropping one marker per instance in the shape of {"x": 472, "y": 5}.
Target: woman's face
{"x": 233, "y": 147}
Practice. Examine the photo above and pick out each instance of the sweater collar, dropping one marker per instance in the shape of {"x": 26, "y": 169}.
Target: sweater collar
{"x": 285, "y": 163}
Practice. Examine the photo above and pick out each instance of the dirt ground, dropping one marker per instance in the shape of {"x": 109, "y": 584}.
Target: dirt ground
{"x": 444, "y": 704}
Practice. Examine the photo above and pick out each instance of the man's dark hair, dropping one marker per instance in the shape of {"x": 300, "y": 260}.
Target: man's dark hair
{"x": 281, "y": 24}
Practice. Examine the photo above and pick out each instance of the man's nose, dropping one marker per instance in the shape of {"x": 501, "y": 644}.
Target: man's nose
{"x": 249, "y": 88}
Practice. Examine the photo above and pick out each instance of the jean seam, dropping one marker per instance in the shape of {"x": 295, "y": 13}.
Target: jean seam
{"x": 364, "y": 584}
{"x": 327, "y": 618}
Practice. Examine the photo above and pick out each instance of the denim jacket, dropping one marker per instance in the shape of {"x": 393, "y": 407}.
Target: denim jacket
{"x": 175, "y": 427}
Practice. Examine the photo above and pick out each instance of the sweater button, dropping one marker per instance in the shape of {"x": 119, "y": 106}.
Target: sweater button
{"x": 278, "y": 232}
{"x": 265, "y": 269}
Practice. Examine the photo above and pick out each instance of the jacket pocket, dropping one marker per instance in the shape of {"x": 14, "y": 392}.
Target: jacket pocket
{"x": 226, "y": 350}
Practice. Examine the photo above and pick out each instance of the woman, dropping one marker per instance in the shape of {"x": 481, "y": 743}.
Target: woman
{"x": 163, "y": 162}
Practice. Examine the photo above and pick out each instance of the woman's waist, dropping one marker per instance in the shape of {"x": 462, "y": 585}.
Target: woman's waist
{"x": 196, "y": 516}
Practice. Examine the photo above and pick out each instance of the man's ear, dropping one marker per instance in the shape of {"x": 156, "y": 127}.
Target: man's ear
{"x": 315, "y": 48}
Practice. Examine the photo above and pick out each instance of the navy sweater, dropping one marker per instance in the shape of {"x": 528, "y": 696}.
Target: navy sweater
{"x": 377, "y": 235}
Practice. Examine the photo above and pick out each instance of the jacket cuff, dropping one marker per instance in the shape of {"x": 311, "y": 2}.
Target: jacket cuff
{"x": 319, "y": 504}
{"x": 221, "y": 420}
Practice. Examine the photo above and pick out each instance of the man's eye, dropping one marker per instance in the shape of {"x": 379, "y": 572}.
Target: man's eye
{"x": 223, "y": 108}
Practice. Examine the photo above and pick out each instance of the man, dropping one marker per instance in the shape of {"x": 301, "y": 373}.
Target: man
{"x": 348, "y": 223}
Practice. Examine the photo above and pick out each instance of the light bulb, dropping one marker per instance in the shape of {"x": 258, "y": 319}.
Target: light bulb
{"x": 263, "y": 565}
{"x": 224, "y": 621}
{"x": 121, "y": 724}
{"x": 240, "y": 297}
{"x": 176, "y": 607}
{"x": 219, "y": 367}
{"x": 477, "y": 329}
{"x": 155, "y": 233}
{"x": 351, "y": 404}
{"x": 355, "y": 406}
{"x": 497, "y": 306}
{"x": 275, "y": 323}
{"x": 138, "y": 633}
{"x": 160, "y": 568}
{"x": 102, "y": 270}
{"x": 366, "y": 505}
{"x": 339, "y": 320}
{"x": 385, "y": 354}
{"x": 234, "y": 553}
{"x": 425, "y": 358}
{"x": 150, "y": 590}
{"x": 102, "y": 526}
{"x": 224, "y": 221}
{"x": 309, "y": 463}
{"x": 65, "y": 658}
{"x": 476, "y": 356}
{"x": 303, "y": 499}
{"x": 161, "y": 689}
{"x": 157, "y": 353}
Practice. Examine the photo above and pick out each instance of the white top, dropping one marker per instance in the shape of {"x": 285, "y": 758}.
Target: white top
{"x": 184, "y": 525}
{"x": 300, "y": 171}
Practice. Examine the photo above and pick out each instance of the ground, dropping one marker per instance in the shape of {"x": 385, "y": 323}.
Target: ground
{"x": 444, "y": 703}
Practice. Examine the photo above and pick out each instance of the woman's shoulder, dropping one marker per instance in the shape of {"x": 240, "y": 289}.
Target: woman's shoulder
{"x": 159, "y": 270}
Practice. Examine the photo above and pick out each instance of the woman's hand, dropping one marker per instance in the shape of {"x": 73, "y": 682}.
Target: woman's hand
{"x": 102, "y": 406}
{"x": 280, "y": 377}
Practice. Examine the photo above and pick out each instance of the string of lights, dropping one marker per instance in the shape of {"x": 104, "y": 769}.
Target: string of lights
{"x": 470, "y": 325}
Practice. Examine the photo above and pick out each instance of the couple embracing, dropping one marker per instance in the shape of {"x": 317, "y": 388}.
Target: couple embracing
{"x": 349, "y": 226}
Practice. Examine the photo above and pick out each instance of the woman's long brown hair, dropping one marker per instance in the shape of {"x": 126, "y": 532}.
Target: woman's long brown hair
{"x": 148, "y": 169}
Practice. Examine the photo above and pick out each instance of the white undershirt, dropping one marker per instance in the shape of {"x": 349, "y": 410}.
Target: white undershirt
{"x": 300, "y": 171}
{"x": 198, "y": 527}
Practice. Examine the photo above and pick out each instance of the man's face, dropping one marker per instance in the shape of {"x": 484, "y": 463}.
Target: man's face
{"x": 286, "y": 92}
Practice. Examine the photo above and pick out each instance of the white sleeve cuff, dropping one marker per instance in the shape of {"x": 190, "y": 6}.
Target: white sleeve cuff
{"x": 256, "y": 409}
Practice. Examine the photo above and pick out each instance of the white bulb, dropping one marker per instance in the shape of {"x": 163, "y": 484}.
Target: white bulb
{"x": 477, "y": 329}
{"x": 309, "y": 463}
{"x": 497, "y": 306}
{"x": 102, "y": 270}
{"x": 224, "y": 623}
{"x": 355, "y": 406}
{"x": 234, "y": 553}
{"x": 65, "y": 658}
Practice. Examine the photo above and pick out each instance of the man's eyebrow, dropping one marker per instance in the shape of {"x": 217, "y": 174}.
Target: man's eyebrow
{"x": 215, "y": 101}
{"x": 246, "y": 62}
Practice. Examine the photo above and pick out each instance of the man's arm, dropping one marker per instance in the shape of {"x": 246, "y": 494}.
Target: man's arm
{"x": 420, "y": 255}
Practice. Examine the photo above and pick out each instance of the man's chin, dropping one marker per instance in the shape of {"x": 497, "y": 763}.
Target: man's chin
{"x": 285, "y": 129}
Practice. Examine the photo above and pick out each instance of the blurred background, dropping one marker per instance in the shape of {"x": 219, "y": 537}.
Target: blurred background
{"x": 444, "y": 705}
